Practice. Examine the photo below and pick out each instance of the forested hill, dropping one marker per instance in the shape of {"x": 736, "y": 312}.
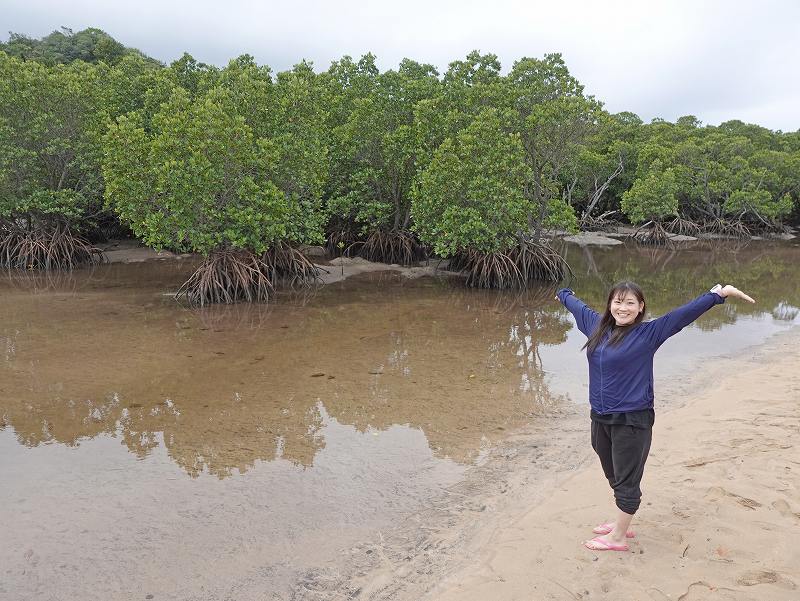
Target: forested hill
{"x": 90, "y": 45}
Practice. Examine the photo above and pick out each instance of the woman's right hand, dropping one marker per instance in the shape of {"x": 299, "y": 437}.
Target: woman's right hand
{"x": 733, "y": 291}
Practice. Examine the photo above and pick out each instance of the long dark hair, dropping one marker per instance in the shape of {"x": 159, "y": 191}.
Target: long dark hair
{"x": 607, "y": 321}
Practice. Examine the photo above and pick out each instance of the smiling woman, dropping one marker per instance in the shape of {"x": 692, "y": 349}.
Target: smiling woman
{"x": 625, "y": 306}
{"x": 620, "y": 350}
{"x": 626, "y": 309}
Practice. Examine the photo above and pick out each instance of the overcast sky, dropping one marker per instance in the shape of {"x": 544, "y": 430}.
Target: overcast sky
{"x": 716, "y": 59}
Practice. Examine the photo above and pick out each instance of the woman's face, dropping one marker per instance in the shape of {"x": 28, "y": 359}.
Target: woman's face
{"x": 625, "y": 309}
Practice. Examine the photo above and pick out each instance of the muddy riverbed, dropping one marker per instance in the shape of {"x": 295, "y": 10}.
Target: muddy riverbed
{"x": 148, "y": 450}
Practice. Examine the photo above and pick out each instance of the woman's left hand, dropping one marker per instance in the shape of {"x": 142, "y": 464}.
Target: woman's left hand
{"x": 733, "y": 291}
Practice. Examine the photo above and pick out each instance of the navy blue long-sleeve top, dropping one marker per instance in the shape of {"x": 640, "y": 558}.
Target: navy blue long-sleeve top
{"x": 621, "y": 375}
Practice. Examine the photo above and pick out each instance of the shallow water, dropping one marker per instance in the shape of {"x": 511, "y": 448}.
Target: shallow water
{"x": 146, "y": 448}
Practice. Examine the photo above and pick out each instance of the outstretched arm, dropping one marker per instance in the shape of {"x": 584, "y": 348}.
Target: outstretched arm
{"x": 732, "y": 292}
{"x": 677, "y": 319}
{"x": 585, "y": 317}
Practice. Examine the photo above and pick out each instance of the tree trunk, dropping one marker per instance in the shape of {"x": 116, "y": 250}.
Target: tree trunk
{"x": 598, "y": 192}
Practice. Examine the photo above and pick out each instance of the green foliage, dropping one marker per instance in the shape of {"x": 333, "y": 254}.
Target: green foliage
{"x": 688, "y": 121}
{"x": 374, "y": 146}
{"x": 734, "y": 171}
{"x": 197, "y": 180}
{"x": 241, "y": 164}
{"x": 129, "y": 83}
{"x": 468, "y": 87}
{"x": 759, "y": 203}
{"x": 540, "y": 101}
{"x": 652, "y": 198}
{"x": 200, "y": 157}
{"x": 474, "y": 84}
{"x": 560, "y": 215}
{"x": 197, "y": 78}
{"x": 471, "y": 195}
{"x": 554, "y": 120}
{"x": 90, "y": 45}
{"x": 298, "y": 148}
{"x": 604, "y": 167}
{"x": 51, "y": 125}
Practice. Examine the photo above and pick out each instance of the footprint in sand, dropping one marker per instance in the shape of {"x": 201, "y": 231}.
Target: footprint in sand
{"x": 697, "y": 590}
{"x": 768, "y": 526}
{"x": 755, "y": 577}
{"x": 717, "y": 492}
{"x": 701, "y": 461}
{"x": 783, "y": 508}
{"x": 657, "y": 595}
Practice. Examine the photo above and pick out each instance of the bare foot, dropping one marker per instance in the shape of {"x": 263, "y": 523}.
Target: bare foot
{"x": 608, "y": 527}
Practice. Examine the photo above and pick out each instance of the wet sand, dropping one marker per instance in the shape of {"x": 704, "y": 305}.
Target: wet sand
{"x": 720, "y": 514}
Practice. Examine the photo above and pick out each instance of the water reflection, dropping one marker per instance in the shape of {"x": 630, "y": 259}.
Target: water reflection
{"x": 226, "y": 387}
{"x": 108, "y": 351}
{"x": 670, "y": 277}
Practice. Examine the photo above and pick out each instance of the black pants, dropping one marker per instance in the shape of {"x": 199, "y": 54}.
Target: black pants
{"x": 623, "y": 451}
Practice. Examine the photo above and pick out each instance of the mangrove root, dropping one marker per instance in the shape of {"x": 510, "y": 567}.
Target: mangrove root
{"x": 341, "y": 242}
{"x": 652, "y": 233}
{"x": 517, "y": 267}
{"x": 684, "y": 227}
{"x": 54, "y": 247}
{"x": 399, "y": 247}
{"x": 601, "y": 222}
{"x": 727, "y": 227}
{"x": 286, "y": 263}
{"x": 231, "y": 275}
{"x": 228, "y": 276}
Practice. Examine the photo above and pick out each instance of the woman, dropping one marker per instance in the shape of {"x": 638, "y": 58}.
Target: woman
{"x": 620, "y": 349}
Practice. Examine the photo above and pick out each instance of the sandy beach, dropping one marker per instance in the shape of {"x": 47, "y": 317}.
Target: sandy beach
{"x": 720, "y": 512}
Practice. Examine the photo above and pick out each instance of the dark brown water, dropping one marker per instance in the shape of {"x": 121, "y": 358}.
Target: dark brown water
{"x": 149, "y": 449}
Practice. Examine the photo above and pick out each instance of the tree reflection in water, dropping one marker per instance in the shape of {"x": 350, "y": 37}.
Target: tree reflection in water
{"x": 226, "y": 387}
{"x": 222, "y": 389}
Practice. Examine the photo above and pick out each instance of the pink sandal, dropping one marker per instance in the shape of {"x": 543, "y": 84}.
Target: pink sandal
{"x": 598, "y": 544}
{"x": 608, "y": 527}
